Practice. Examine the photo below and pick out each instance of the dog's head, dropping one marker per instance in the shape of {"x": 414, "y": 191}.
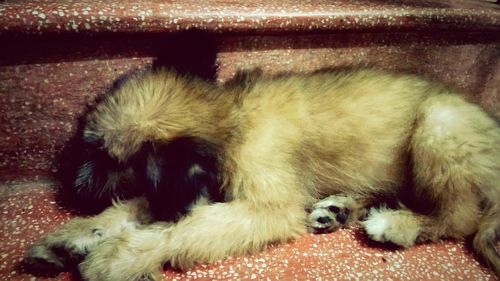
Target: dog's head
{"x": 137, "y": 141}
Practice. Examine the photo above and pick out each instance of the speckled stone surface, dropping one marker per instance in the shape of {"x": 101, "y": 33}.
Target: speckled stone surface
{"x": 51, "y": 16}
{"x": 57, "y": 56}
{"x": 31, "y": 210}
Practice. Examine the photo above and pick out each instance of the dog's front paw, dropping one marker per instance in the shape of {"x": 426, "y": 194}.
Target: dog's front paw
{"x": 133, "y": 255}
{"x": 43, "y": 258}
{"x": 63, "y": 248}
{"x": 332, "y": 213}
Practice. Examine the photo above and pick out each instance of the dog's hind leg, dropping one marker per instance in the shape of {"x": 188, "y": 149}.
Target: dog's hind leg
{"x": 455, "y": 153}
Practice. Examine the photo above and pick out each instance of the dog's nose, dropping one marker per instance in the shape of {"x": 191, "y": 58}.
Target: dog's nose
{"x": 324, "y": 220}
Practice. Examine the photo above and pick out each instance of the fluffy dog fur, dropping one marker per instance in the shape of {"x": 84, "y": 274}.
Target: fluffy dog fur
{"x": 349, "y": 138}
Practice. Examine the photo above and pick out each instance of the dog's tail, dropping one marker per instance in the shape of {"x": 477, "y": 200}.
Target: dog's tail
{"x": 486, "y": 239}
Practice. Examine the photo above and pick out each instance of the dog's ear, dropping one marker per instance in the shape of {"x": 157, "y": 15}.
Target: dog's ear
{"x": 91, "y": 179}
{"x": 179, "y": 173}
{"x": 94, "y": 172}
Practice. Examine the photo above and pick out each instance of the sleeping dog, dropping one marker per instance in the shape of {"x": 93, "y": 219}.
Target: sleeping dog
{"x": 228, "y": 169}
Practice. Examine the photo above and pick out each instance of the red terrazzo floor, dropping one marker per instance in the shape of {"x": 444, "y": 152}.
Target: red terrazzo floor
{"x": 30, "y": 210}
{"x": 47, "y": 82}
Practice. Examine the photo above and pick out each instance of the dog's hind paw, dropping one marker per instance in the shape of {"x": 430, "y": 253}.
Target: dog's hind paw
{"x": 399, "y": 227}
{"x": 332, "y": 213}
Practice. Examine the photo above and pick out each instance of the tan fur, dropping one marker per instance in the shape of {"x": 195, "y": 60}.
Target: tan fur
{"x": 80, "y": 236}
{"x": 287, "y": 142}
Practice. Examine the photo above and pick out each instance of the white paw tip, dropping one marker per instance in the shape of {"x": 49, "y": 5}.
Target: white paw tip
{"x": 376, "y": 225}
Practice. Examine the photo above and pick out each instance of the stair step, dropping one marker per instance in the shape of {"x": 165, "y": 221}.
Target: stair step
{"x": 42, "y": 17}
{"x": 57, "y": 56}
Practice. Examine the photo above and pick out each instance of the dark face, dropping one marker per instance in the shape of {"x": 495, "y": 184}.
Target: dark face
{"x": 179, "y": 173}
{"x": 172, "y": 176}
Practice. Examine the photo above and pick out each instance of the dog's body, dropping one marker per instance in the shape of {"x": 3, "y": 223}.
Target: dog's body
{"x": 282, "y": 143}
